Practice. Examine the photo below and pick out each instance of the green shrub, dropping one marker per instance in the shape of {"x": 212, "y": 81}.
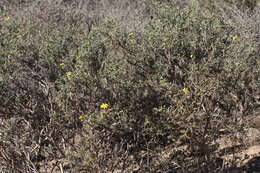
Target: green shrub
{"x": 103, "y": 99}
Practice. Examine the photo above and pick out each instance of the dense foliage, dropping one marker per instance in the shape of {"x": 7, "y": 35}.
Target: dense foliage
{"x": 84, "y": 93}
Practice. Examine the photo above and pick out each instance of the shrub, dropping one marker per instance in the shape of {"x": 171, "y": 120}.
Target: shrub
{"x": 101, "y": 98}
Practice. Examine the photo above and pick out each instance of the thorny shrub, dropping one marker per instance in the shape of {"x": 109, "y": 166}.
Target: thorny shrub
{"x": 102, "y": 99}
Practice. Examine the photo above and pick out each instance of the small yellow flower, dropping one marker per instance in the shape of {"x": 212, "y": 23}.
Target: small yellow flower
{"x": 6, "y": 18}
{"x": 191, "y": 56}
{"x": 234, "y": 37}
{"x": 83, "y": 35}
{"x": 131, "y": 41}
{"x": 131, "y": 34}
{"x": 62, "y": 65}
{"x": 185, "y": 90}
{"x": 77, "y": 58}
{"x": 104, "y": 106}
{"x": 69, "y": 75}
{"x": 81, "y": 117}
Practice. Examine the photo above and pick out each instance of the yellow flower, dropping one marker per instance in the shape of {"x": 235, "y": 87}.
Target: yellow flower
{"x": 191, "y": 56}
{"x": 131, "y": 34}
{"x": 104, "y": 106}
{"x": 62, "y": 65}
{"x": 83, "y": 35}
{"x": 234, "y": 37}
{"x": 185, "y": 90}
{"x": 131, "y": 41}
{"x": 77, "y": 58}
{"x": 81, "y": 117}
{"x": 6, "y": 18}
{"x": 19, "y": 36}
{"x": 69, "y": 75}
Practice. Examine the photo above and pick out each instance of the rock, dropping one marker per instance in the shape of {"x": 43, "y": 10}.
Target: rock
{"x": 252, "y": 137}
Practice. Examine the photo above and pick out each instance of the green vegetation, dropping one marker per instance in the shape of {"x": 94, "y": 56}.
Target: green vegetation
{"x": 83, "y": 93}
